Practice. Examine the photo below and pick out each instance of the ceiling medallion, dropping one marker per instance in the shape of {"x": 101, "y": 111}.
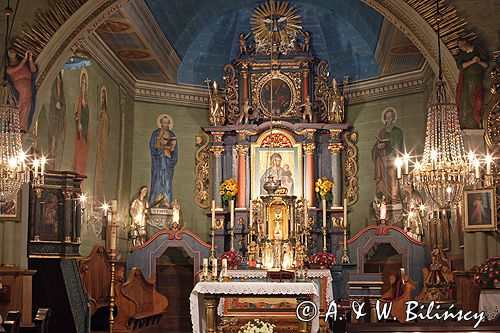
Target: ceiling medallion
{"x": 275, "y": 23}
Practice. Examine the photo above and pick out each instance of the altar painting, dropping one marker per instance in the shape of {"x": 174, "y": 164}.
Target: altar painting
{"x": 285, "y": 164}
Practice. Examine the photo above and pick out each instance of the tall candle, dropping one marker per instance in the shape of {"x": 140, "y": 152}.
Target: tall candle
{"x": 476, "y": 168}
{"x": 113, "y": 236}
{"x": 250, "y": 220}
{"x": 205, "y": 267}
{"x": 214, "y": 268}
{"x": 406, "y": 159}
{"x": 35, "y": 166}
{"x": 323, "y": 201}
{"x": 213, "y": 214}
{"x": 345, "y": 213}
{"x": 305, "y": 214}
{"x": 224, "y": 267}
{"x": 231, "y": 204}
{"x": 488, "y": 164}
{"x": 43, "y": 162}
{"x": 398, "y": 166}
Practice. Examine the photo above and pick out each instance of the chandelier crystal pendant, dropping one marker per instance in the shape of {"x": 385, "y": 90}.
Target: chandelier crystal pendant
{"x": 13, "y": 170}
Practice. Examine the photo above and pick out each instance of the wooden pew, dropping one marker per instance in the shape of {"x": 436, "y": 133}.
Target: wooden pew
{"x": 42, "y": 320}
{"x": 12, "y": 322}
{"x": 140, "y": 306}
{"x": 95, "y": 273}
{"x": 407, "y": 287}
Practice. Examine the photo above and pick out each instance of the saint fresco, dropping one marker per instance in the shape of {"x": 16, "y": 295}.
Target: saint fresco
{"x": 82, "y": 133}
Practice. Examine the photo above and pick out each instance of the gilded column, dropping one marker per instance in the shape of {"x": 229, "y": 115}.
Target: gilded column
{"x": 305, "y": 84}
{"x": 217, "y": 150}
{"x": 335, "y": 147}
{"x": 38, "y": 213}
{"x": 78, "y": 221}
{"x": 244, "y": 75}
{"x": 242, "y": 174}
{"x": 309, "y": 149}
{"x": 68, "y": 196}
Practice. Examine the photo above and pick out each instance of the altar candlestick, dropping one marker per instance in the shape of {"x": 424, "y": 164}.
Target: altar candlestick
{"x": 323, "y": 201}
{"x": 213, "y": 214}
{"x": 231, "y": 205}
{"x": 205, "y": 267}
{"x": 345, "y": 213}
{"x": 224, "y": 267}
{"x": 214, "y": 268}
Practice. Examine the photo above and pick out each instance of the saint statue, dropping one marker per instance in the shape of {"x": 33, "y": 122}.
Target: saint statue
{"x": 57, "y": 121}
{"x": 164, "y": 154}
{"x": 138, "y": 212}
{"x": 217, "y": 115}
{"x": 384, "y": 152}
{"x": 245, "y": 112}
{"x": 307, "y": 110}
{"x": 282, "y": 174}
{"x": 21, "y": 74}
{"x": 307, "y": 41}
{"x": 335, "y": 105}
{"x": 82, "y": 132}
{"x": 472, "y": 63}
{"x": 278, "y": 224}
{"x": 102, "y": 145}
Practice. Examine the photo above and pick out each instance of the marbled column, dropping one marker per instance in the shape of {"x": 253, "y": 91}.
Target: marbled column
{"x": 78, "y": 221}
{"x": 242, "y": 150}
{"x": 9, "y": 229}
{"x": 336, "y": 160}
{"x": 244, "y": 76}
{"x": 309, "y": 149}
{"x": 217, "y": 151}
{"x": 68, "y": 213}
{"x": 38, "y": 214}
{"x": 305, "y": 84}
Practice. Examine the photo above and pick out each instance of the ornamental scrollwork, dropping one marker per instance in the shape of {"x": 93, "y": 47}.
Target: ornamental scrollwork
{"x": 351, "y": 167}
{"x": 202, "y": 171}
{"x": 231, "y": 93}
{"x": 321, "y": 89}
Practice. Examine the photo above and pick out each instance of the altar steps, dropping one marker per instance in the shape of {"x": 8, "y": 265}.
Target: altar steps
{"x": 436, "y": 327}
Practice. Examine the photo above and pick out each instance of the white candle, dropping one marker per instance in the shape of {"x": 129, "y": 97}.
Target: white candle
{"x": 398, "y": 163}
{"x": 214, "y": 268}
{"x": 43, "y": 162}
{"x": 213, "y": 214}
{"x": 250, "y": 220}
{"x": 36, "y": 163}
{"x": 345, "y": 212}
{"x": 476, "y": 168}
{"x": 205, "y": 267}
{"x": 231, "y": 205}
{"x": 305, "y": 214}
{"x": 224, "y": 267}
{"x": 323, "y": 201}
{"x": 406, "y": 159}
{"x": 113, "y": 236}
{"x": 488, "y": 164}
{"x": 434, "y": 155}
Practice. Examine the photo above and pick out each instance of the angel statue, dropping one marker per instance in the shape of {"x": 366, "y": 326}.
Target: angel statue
{"x": 246, "y": 109}
{"x": 335, "y": 109}
{"x": 217, "y": 116}
{"x": 243, "y": 43}
{"x": 307, "y": 106}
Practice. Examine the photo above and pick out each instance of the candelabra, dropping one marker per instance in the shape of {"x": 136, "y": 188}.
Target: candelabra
{"x": 212, "y": 247}
{"x": 231, "y": 240}
{"x": 324, "y": 239}
{"x": 112, "y": 256}
{"x": 345, "y": 255}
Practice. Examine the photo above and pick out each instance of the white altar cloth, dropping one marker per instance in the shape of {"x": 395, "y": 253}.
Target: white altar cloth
{"x": 489, "y": 302}
{"x": 197, "y": 306}
{"x": 262, "y": 274}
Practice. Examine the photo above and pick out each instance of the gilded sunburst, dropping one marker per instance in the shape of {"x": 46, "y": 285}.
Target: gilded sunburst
{"x": 276, "y": 22}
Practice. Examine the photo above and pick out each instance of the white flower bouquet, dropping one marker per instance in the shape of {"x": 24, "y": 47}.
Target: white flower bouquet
{"x": 256, "y": 326}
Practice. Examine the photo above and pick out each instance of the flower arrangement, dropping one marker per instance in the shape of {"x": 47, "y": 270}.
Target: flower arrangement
{"x": 323, "y": 260}
{"x": 489, "y": 272}
{"x": 323, "y": 188}
{"x": 228, "y": 190}
{"x": 256, "y": 326}
{"x": 233, "y": 259}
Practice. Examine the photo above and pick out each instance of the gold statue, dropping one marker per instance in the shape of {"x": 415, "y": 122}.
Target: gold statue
{"x": 307, "y": 109}
{"x": 253, "y": 251}
{"x": 335, "y": 104}
{"x": 217, "y": 105}
{"x": 245, "y": 112}
{"x": 278, "y": 224}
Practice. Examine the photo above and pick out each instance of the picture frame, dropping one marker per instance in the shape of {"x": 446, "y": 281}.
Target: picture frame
{"x": 11, "y": 210}
{"x": 290, "y": 166}
{"x": 479, "y": 210}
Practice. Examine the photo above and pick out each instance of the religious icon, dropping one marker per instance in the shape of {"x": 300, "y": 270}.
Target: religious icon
{"x": 138, "y": 213}
{"x": 21, "y": 74}
{"x": 50, "y": 220}
{"x": 9, "y": 209}
{"x": 389, "y": 143}
{"x": 102, "y": 145}
{"x": 281, "y": 96}
{"x": 472, "y": 64}
{"x": 279, "y": 173}
{"x": 164, "y": 155}
{"x": 480, "y": 211}
{"x": 57, "y": 121}
{"x": 82, "y": 130}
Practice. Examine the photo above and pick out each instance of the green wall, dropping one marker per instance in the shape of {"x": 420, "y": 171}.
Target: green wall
{"x": 366, "y": 120}
{"x": 187, "y": 124}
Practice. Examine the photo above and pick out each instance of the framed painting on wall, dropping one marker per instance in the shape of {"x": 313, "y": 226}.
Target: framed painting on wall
{"x": 10, "y": 210}
{"x": 480, "y": 210}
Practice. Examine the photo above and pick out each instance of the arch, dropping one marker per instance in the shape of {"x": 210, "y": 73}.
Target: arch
{"x": 88, "y": 17}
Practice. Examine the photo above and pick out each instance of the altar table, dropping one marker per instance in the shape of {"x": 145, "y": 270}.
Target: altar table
{"x": 205, "y": 297}
{"x": 489, "y": 302}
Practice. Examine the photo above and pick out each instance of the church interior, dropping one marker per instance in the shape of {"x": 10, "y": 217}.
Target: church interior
{"x": 249, "y": 166}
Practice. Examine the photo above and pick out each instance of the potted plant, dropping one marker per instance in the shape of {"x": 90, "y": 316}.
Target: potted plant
{"x": 233, "y": 259}
{"x": 322, "y": 260}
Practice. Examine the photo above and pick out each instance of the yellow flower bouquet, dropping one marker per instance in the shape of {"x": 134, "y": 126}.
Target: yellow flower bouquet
{"x": 228, "y": 190}
{"x": 323, "y": 188}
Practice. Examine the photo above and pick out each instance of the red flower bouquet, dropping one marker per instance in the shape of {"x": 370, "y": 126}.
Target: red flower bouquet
{"x": 489, "y": 272}
{"x": 233, "y": 259}
{"x": 323, "y": 260}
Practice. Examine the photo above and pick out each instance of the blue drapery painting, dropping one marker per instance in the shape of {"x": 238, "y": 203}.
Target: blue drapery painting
{"x": 164, "y": 154}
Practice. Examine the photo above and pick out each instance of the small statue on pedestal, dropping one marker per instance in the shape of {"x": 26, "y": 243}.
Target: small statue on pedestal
{"x": 217, "y": 115}
{"x": 307, "y": 110}
{"x": 245, "y": 113}
{"x": 243, "y": 43}
{"x": 138, "y": 213}
{"x": 382, "y": 209}
{"x": 335, "y": 109}
{"x": 253, "y": 251}
{"x": 307, "y": 41}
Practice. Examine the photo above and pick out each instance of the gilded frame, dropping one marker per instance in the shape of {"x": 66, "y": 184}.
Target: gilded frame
{"x": 292, "y": 153}
{"x": 294, "y": 94}
{"x": 11, "y": 216}
{"x": 487, "y": 213}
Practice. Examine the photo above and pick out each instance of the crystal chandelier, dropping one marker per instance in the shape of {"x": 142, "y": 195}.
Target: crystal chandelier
{"x": 443, "y": 171}
{"x": 13, "y": 169}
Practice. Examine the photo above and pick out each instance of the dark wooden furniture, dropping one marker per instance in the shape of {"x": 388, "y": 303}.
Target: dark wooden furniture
{"x": 466, "y": 291}
{"x": 400, "y": 292}
{"x": 140, "y": 306}
{"x": 42, "y": 320}
{"x": 95, "y": 272}
{"x": 12, "y": 322}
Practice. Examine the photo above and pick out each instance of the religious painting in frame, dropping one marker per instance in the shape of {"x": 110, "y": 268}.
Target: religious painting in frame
{"x": 10, "y": 210}
{"x": 276, "y": 154}
{"x": 479, "y": 210}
